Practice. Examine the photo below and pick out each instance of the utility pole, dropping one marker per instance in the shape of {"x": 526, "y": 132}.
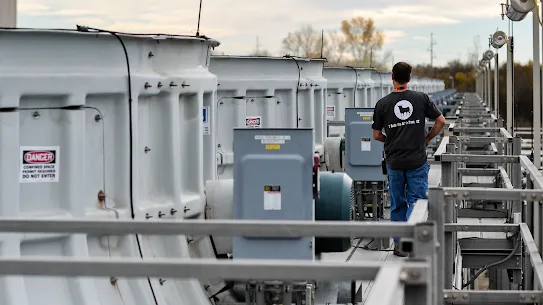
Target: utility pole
{"x": 8, "y": 13}
{"x": 431, "y": 49}
{"x": 257, "y": 46}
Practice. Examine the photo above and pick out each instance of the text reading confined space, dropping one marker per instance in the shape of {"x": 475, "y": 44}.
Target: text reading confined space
{"x": 39, "y": 164}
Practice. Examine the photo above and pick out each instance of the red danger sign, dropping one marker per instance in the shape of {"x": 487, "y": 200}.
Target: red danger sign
{"x": 39, "y": 164}
{"x": 39, "y": 157}
{"x": 253, "y": 122}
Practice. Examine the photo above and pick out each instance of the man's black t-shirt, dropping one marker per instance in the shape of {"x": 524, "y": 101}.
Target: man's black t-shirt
{"x": 402, "y": 115}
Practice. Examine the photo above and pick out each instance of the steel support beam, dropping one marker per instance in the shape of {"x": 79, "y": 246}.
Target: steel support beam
{"x": 508, "y": 228}
{"x": 478, "y": 171}
{"x": 536, "y": 119}
{"x": 535, "y": 175}
{"x": 469, "y": 193}
{"x": 477, "y": 261}
{"x": 531, "y": 249}
{"x": 492, "y": 297}
{"x": 479, "y": 158}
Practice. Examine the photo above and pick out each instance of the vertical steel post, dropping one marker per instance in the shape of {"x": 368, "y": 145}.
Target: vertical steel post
{"x": 485, "y": 94}
{"x": 424, "y": 247}
{"x": 489, "y": 84}
{"x": 375, "y": 201}
{"x": 436, "y": 210}
{"x": 528, "y": 280}
{"x": 447, "y": 168}
{"x": 536, "y": 91}
{"x": 510, "y": 93}
{"x": 516, "y": 178}
{"x": 497, "y": 85}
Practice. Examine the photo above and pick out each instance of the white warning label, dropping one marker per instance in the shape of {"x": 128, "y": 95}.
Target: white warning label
{"x": 331, "y": 111}
{"x": 39, "y": 164}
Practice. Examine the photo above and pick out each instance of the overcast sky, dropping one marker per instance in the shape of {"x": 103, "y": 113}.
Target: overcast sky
{"x": 237, "y": 23}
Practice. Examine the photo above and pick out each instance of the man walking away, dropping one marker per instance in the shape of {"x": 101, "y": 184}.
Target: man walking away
{"x": 402, "y": 115}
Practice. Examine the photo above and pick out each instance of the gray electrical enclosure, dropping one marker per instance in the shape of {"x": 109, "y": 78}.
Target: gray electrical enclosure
{"x": 363, "y": 155}
{"x": 273, "y": 170}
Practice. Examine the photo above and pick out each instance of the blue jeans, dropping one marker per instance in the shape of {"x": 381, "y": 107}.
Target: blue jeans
{"x": 405, "y": 187}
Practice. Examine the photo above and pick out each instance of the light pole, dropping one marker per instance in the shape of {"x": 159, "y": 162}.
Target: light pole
{"x": 517, "y": 10}
{"x": 488, "y": 55}
{"x": 499, "y": 39}
{"x": 452, "y": 81}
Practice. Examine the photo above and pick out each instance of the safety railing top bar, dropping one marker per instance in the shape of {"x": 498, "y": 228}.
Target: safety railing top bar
{"x": 415, "y": 277}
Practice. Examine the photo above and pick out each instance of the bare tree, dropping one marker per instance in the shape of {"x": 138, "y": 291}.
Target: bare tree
{"x": 334, "y": 48}
{"x": 304, "y": 42}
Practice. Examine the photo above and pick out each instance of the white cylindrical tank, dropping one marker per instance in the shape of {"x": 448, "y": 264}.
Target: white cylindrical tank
{"x": 377, "y": 90}
{"x": 117, "y": 153}
{"x": 387, "y": 84}
{"x": 415, "y": 84}
{"x": 341, "y": 92}
{"x": 270, "y": 92}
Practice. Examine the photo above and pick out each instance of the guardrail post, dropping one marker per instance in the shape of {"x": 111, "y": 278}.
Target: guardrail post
{"x": 424, "y": 247}
{"x": 516, "y": 173}
{"x": 528, "y": 272}
{"x": 436, "y": 212}
{"x": 448, "y": 172}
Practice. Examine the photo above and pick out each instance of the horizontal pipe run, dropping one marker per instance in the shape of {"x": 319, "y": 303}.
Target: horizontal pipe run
{"x": 203, "y": 268}
{"x": 253, "y": 228}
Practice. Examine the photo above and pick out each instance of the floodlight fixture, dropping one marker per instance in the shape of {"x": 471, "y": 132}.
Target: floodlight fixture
{"x": 499, "y": 39}
{"x": 488, "y": 55}
{"x": 517, "y": 10}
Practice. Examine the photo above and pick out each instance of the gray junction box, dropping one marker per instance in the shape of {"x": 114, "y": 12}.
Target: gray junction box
{"x": 363, "y": 154}
{"x": 273, "y": 170}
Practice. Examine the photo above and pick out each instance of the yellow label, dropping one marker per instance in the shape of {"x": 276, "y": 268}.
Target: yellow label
{"x": 273, "y": 147}
{"x": 366, "y": 118}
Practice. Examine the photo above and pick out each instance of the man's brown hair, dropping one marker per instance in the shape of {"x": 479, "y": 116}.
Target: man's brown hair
{"x": 401, "y": 72}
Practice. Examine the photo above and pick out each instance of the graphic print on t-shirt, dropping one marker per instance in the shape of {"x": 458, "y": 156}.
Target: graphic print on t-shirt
{"x": 403, "y": 110}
